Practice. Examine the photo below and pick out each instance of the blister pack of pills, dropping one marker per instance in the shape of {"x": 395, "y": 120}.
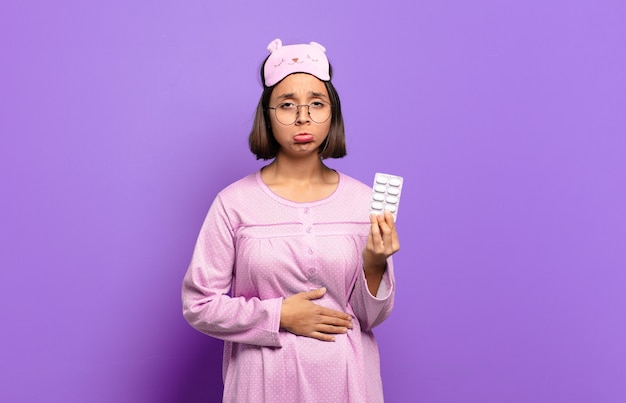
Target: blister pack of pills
{"x": 386, "y": 193}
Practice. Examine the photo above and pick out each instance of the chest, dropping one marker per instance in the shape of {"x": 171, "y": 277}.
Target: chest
{"x": 283, "y": 259}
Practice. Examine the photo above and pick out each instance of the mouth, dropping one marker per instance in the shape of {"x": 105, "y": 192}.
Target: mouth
{"x": 303, "y": 138}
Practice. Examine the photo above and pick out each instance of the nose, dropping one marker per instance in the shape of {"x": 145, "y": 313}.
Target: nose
{"x": 302, "y": 114}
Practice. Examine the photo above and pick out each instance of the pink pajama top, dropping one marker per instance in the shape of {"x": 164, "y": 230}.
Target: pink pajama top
{"x": 255, "y": 249}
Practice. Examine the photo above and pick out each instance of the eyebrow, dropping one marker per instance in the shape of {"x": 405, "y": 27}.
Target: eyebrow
{"x": 312, "y": 93}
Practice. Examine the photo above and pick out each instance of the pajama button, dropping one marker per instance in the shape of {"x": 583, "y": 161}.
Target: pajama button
{"x": 311, "y": 251}
{"x": 307, "y": 210}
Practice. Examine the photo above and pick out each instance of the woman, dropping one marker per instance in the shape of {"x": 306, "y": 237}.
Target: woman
{"x": 287, "y": 269}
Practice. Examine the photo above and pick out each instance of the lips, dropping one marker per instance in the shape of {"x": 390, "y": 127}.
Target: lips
{"x": 303, "y": 138}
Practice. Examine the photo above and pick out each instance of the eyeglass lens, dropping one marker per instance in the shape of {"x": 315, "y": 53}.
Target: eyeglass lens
{"x": 287, "y": 113}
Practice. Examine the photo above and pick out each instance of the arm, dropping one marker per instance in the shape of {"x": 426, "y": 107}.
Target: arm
{"x": 206, "y": 303}
{"x": 374, "y": 287}
{"x": 382, "y": 242}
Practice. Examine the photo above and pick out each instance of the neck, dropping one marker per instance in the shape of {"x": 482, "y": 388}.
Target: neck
{"x": 301, "y": 180}
{"x": 299, "y": 169}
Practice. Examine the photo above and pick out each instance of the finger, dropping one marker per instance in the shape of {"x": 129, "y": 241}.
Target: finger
{"x": 314, "y": 294}
{"x": 373, "y": 218}
{"x": 385, "y": 231}
{"x": 384, "y": 221}
{"x": 395, "y": 243}
{"x": 389, "y": 219}
{"x": 333, "y": 315}
{"x": 330, "y": 329}
{"x": 336, "y": 322}
{"x": 375, "y": 235}
{"x": 322, "y": 336}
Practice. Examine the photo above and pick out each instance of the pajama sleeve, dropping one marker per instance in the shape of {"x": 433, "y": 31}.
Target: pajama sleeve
{"x": 207, "y": 305}
{"x": 372, "y": 310}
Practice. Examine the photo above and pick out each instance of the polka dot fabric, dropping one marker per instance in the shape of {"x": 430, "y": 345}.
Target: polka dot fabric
{"x": 255, "y": 249}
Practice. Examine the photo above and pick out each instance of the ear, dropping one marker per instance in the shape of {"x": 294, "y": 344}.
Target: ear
{"x": 317, "y": 45}
{"x": 274, "y": 45}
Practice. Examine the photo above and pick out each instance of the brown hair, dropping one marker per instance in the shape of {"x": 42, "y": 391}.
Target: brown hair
{"x": 261, "y": 139}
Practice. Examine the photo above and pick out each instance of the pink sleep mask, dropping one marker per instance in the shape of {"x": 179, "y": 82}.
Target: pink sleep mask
{"x": 303, "y": 58}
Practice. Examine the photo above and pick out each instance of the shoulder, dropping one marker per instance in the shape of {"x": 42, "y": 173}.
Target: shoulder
{"x": 350, "y": 184}
{"x": 237, "y": 199}
{"x": 244, "y": 186}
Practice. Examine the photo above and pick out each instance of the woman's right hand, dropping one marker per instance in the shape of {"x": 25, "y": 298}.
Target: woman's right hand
{"x": 302, "y": 317}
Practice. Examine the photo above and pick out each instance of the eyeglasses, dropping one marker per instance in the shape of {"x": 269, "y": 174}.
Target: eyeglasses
{"x": 287, "y": 113}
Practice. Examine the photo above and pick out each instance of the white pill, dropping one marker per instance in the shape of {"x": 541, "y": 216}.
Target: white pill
{"x": 380, "y": 188}
{"x": 395, "y": 182}
{"x": 378, "y": 196}
{"x": 392, "y": 199}
{"x": 382, "y": 179}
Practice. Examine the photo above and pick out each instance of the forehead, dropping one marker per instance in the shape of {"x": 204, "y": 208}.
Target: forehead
{"x": 299, "y": 85}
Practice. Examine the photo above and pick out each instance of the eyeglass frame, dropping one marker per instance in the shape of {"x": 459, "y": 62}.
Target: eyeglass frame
{"x": 308, "y": 112}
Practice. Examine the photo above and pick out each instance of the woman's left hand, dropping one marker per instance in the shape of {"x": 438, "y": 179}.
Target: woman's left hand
{"x": 382, "y": 242}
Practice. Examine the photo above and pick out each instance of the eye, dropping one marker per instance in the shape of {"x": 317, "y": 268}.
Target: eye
{"x": 287, "y": 106}
{"x": 318, "y": 105}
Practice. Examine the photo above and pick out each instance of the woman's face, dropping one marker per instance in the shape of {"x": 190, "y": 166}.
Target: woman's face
{"x": 304, "y": 136}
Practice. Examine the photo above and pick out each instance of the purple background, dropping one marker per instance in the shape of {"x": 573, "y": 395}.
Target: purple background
{"x": 120, "y": 120}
